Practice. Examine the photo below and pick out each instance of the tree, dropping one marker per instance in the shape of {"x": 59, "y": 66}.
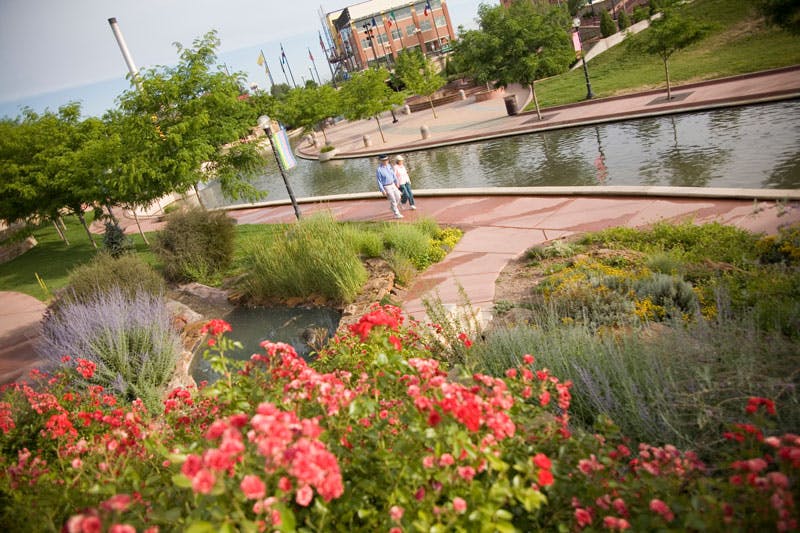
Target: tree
{"x": 308, "y": 107}
{"x": 574, "y": 6}
{"x": 473, "y": 54}
{"x": 418, "y": 74}
{"x": 532, "y": 43}
{"x": 366, "y": 95}
{"x": 189, "y": 124}
{"x": 667, "y": 35}
{"x": 783, "y": 13}
{"x": 607, "y": 25}
{"x": 280, "y": 90}
{"x": 623, "y": 20}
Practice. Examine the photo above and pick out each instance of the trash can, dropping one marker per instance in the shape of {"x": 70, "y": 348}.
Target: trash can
{"x": 511, "y": 104}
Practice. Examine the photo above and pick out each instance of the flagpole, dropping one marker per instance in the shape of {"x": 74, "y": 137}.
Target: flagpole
{"x": 433, "y": 18}
{"x": 266, "y": 69}
{"x": 399, "y": 31}
{"x": 327, "y": 59}
{"x": 286, "y": 60}
{"x": 315, "y": 66}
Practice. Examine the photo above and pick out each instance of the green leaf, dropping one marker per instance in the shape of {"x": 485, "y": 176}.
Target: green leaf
{"x": 179, "y": 480}
{"x": 201, "y": 527}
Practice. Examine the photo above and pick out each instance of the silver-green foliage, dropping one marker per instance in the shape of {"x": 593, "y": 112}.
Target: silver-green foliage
{"x": 129, "y": 337}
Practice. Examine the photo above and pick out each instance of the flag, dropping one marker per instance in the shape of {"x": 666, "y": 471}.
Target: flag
{"x": 392, "y": 18}
{"x": 309, "y": 55}
{"x": 321, "y": 43}
{"x": 374, "y": 24}
{"x": 283, "y": 55}
{"x": 428, "y": 8}
{"x": 260, "y": 59}
{"x": 280, "y": 142}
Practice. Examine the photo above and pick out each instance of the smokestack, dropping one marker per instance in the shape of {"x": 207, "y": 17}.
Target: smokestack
{"x": 125, "y": 53}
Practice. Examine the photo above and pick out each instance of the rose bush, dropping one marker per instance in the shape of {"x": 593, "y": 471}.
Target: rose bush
{"x": 375, "y": 436}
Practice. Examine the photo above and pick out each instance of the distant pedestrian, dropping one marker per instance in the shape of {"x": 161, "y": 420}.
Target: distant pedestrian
{"x": 387, "y": 184}
{"x": 401, "y": 172}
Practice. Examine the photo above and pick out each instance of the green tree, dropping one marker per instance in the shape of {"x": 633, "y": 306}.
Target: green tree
{"x": 623, "y": 20}
{"x": 473, "y": 54}
{"x": 574, "y": 6}
{"x": 189, "y": 122}
{"x": 308, "y": 107}
{"x": 665, "y": 36}
{"x": 783, "y": 13}
{"x": 280, "y": 90}
{"x": 533, "y": 43}
{"x": 607, "y": 25}
{"x": 367, "y": 95}
{"x": 419, "y": 75}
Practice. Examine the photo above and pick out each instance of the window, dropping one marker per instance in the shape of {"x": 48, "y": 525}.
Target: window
{"x": 395, "y": 33}
{"x": 411, "y": 30}
{"x": 441, "y": 22}
{"x": 425, "y": 25}
{"x": 382, "y": 38}
{"x": 364, "y": 44}
{"x": 402, "y": 13}
{"x": 436, "y": 4}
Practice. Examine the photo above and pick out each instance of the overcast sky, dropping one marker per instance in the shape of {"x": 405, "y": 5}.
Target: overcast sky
{"x": 58, "y": 48}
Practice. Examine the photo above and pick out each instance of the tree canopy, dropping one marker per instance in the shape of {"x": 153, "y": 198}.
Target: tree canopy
{"x": 366, "y": 95}
{"x": 419, "y": 75}
{"x": 308, "y": 106}
{"x": 783, "y": 13}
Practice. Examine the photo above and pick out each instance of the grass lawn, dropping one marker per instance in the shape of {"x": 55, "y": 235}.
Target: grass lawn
{"x": 739, "y": 43}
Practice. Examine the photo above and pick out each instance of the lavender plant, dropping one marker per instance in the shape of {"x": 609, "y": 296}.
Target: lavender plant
{"x": 129, "y": 338}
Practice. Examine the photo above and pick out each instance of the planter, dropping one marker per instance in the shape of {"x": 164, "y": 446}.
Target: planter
{"x": 490, "y": 95}
{"x": 327, "y": 156}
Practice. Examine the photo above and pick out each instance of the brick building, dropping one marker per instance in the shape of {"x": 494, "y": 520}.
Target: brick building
{"x": 376, "y": 30}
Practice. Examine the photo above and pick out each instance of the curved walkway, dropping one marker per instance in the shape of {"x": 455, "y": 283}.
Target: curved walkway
{"x": 466, "y": 121}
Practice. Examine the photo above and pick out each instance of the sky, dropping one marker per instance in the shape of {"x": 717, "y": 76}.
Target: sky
{"x": 56, "y": 51}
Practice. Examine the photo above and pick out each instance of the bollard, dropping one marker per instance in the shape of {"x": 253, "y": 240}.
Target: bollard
{"x": 461, "y": 94}
{"x": 424, "y": 131}
{"x": 367, "y": 141}
{"x": 406, "y": 109}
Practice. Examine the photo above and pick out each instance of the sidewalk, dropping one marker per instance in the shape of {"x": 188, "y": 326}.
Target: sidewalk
{"x": 467, "y": 121}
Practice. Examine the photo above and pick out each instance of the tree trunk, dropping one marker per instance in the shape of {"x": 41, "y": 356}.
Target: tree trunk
{"x": 433, "y": 108}
{"x": 197, "y": 195}
{"x": 111, "y": 214}
{"x": 79, "y": 212}
{"x": 666, "y": 72}
{"x": 532, "y": 87}
{"x": 60, "y": 231}
{"x": 324, "y": 135}
{"x": 136, "y": 218}
{"x": 378, "y": 120}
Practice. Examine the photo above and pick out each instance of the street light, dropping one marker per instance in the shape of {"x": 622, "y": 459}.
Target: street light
{"x": 265, "y": 124}
{"x": 576, "y": 23}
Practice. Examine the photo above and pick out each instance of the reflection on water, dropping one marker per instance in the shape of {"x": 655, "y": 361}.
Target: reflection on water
{"x": 747, "y": 147}
{"x": 251, "y": 326}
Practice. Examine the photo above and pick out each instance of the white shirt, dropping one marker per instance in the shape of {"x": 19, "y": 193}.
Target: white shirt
{"x": 402, "y": 174}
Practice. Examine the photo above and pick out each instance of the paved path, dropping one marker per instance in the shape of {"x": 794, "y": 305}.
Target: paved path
{"x": 500, "y": 224}
{"x": 467, "y": 121}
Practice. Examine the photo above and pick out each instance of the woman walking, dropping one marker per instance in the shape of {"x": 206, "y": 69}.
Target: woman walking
{"x": 401, "y": 172}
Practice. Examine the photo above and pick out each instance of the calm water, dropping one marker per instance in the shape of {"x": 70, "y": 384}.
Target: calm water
{"x": 750, "y": 147}
{"x": 251, "y": 326}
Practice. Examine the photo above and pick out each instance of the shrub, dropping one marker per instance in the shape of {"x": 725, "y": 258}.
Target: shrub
{"x": 127, "y": 273}
{"x": 129, "y": 339}
{"x": 367, "y": 243}
{"x": 640, "y": 13}
{"x": 403, "y": 443}
{"x": 607, "y": 25}
{"x": 327, "y": 148}
{"x": 115, "y": 242}
{"x": 623, "y": 20}
{"x": 196, "y": 245}
{"x": 312, "y": 257}
{"x": 408, "y": 241}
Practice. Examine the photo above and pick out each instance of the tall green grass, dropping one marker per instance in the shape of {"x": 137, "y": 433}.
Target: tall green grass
{"x": 312, "y": 257}
{"x": 679, "y": 384}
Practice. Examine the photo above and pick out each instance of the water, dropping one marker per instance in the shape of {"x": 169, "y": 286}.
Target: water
{"x": 754, "y": 147}
{"x": 251, "y": 326}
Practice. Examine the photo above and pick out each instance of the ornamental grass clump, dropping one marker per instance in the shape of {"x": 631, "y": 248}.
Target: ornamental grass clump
{"x": 129, "y": 340}
{"x": 312, "y": 257}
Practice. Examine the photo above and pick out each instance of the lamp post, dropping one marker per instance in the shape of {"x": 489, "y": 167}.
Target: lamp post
{"x": 576, "y": 23}
{"x": 265, "y": 124}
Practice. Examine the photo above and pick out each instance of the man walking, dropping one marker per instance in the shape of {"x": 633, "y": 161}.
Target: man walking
{"x": 388, "y": 185}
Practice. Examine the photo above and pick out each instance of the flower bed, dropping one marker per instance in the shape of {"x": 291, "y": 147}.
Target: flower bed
{"x": 385, "y": 439}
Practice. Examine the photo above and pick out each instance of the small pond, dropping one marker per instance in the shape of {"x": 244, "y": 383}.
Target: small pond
{"x": 251, "y": 326}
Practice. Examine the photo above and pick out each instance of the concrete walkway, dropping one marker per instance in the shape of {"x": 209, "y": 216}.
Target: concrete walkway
{"x": 499, "y": 223}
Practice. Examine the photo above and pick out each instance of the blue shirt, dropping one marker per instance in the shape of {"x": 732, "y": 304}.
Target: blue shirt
{"x": 385, "y": 176}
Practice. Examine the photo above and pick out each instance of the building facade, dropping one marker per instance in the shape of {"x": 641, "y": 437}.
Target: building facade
{"x": 374, "y": 32}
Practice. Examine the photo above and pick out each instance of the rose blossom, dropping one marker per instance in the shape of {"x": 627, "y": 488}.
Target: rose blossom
{"x": 459, "y": 505}
{"x": 253, "y": 487}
